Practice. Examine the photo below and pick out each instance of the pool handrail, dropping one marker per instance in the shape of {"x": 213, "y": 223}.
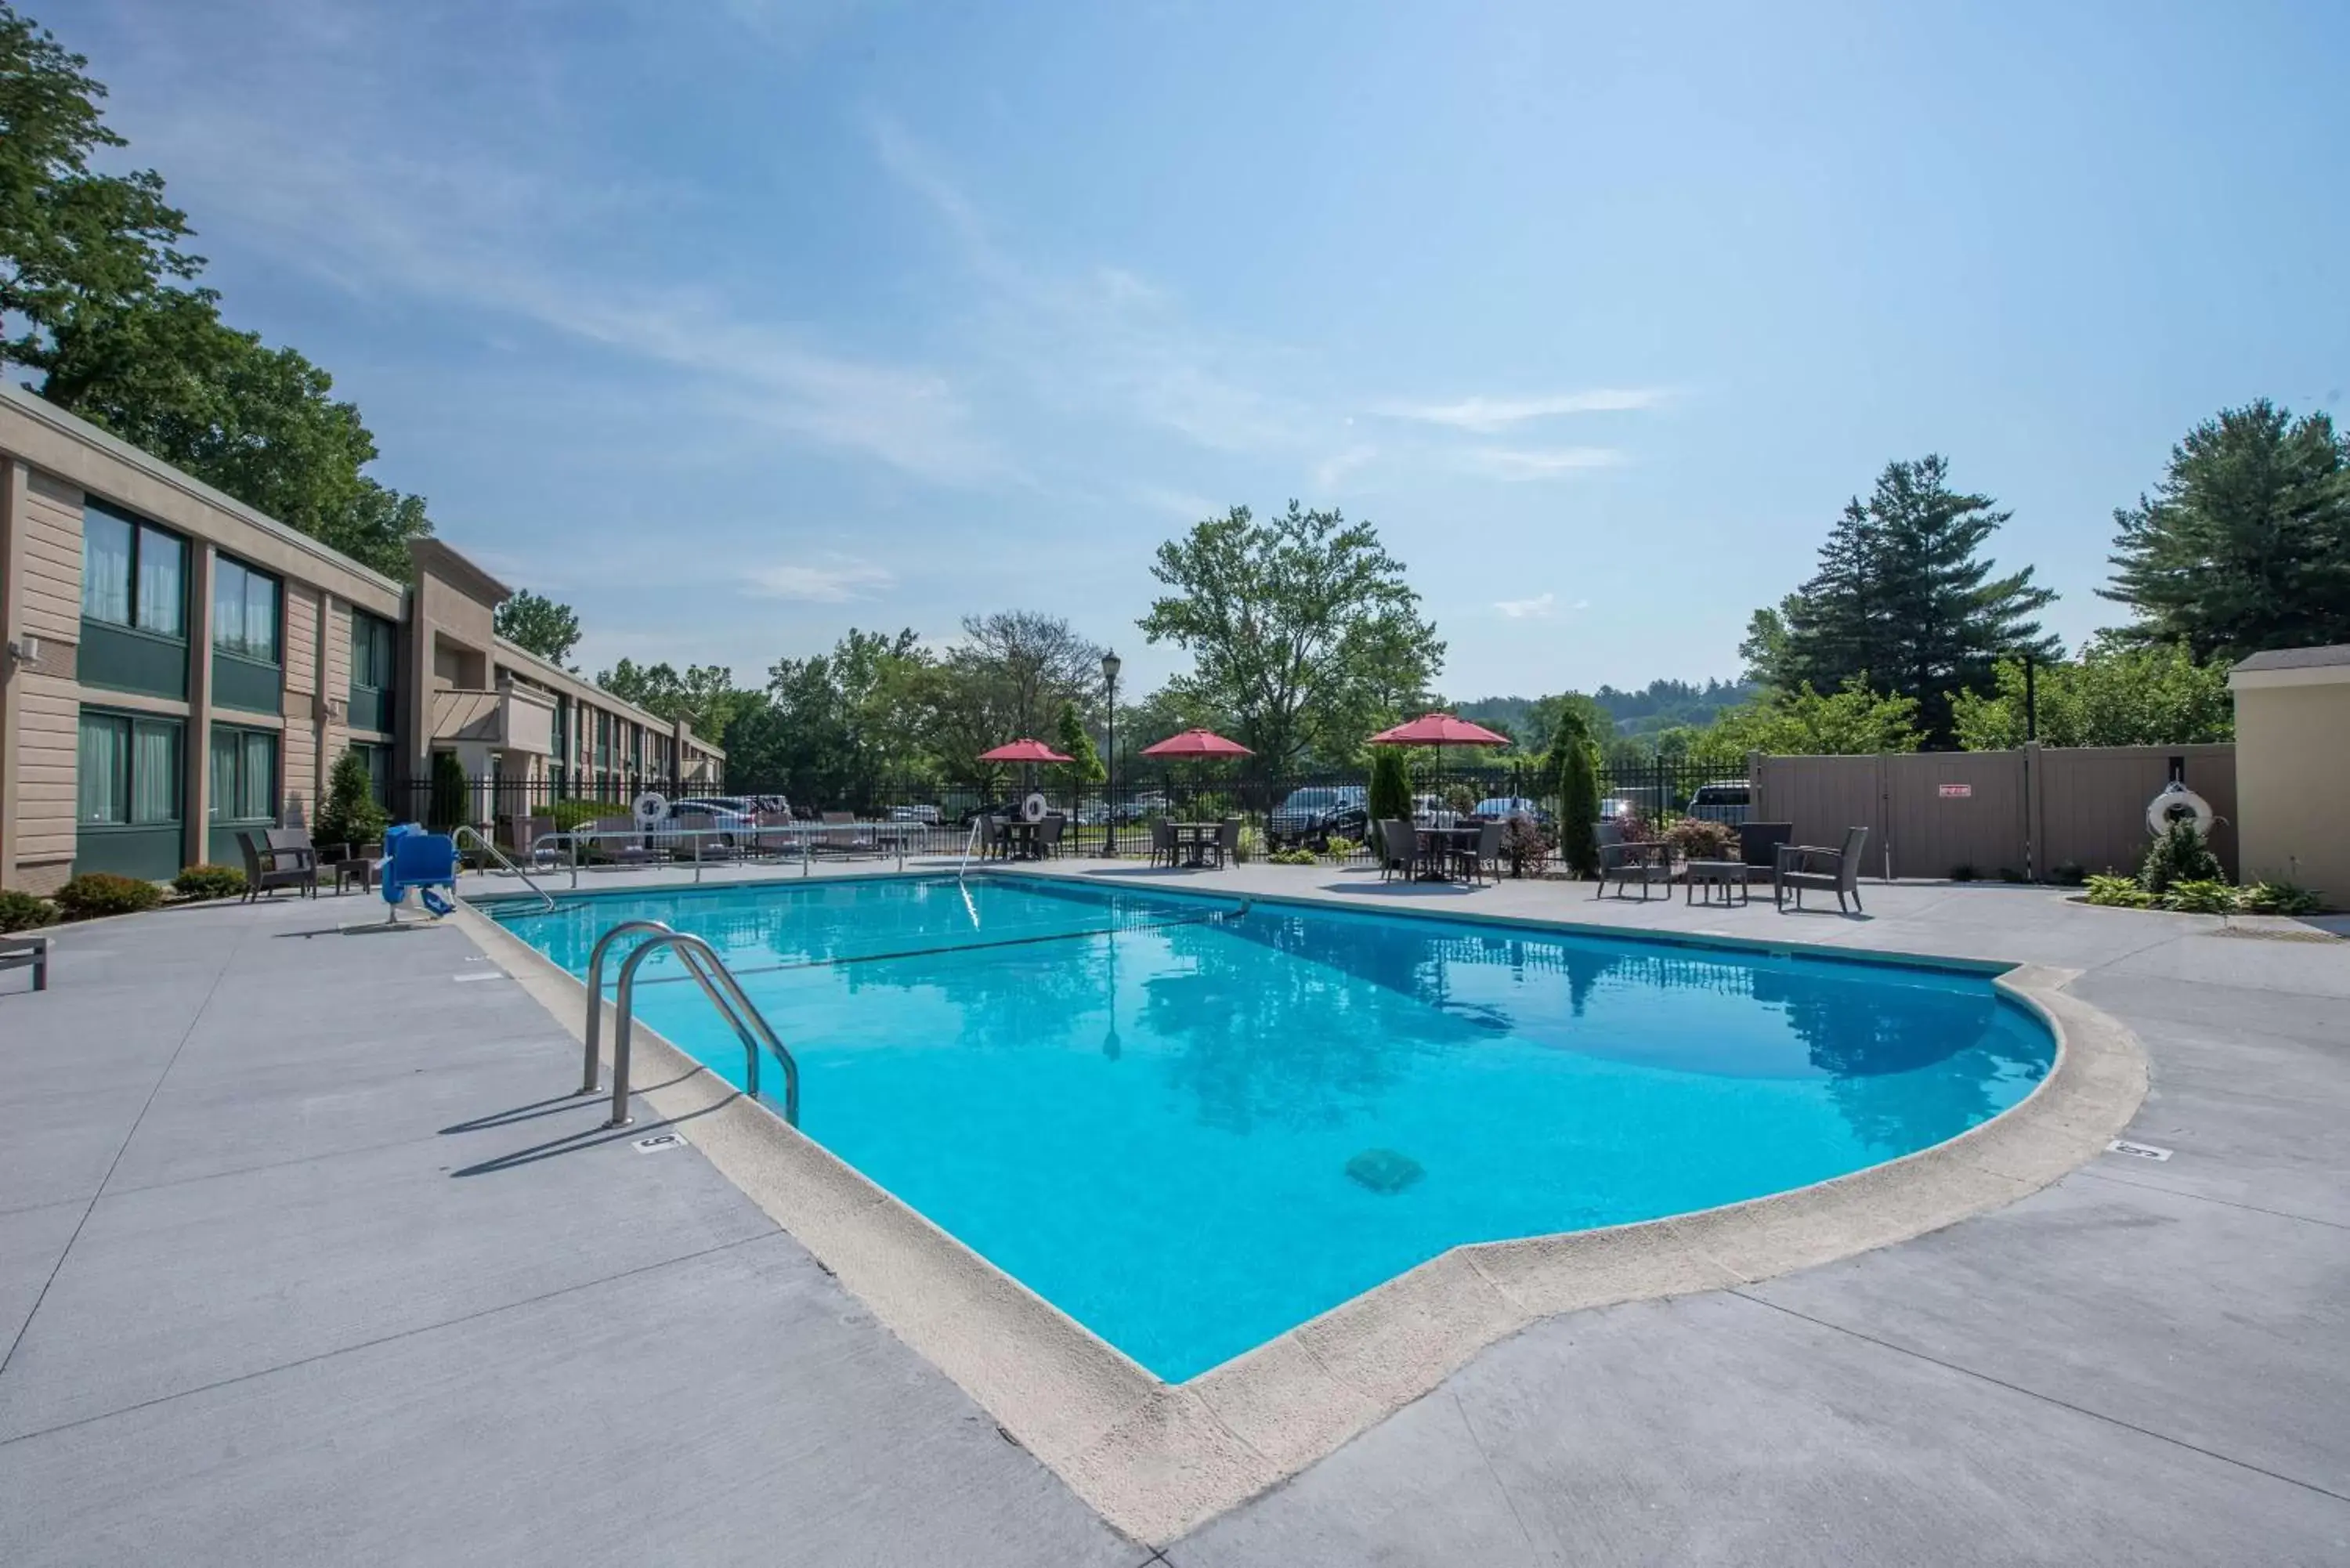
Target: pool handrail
{"x": 588, "y": 1083}
{"x": 718, "y": 983}
{"x": 462, "y": 832}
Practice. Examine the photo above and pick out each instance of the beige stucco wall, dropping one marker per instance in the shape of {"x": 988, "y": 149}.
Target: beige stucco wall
{"x": 2292, "y": 760}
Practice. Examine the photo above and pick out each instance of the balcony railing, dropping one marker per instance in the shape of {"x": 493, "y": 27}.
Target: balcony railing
{"x": 510, "y": 718}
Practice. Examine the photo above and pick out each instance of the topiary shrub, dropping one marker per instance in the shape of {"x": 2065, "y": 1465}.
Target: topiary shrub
{"x": 445, "y": 810}
{"x": 2180, "y": 855}
{"x": 350, "y": 815}
{"x": 208, "y": 882}
{"x": 1390, "y": 790}
{"x": 22, "y": 911}
{"x": 96, "y": 893}
{"x": 1578, "y": 796}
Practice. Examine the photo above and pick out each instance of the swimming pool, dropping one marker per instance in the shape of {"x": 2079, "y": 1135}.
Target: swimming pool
{"x": 1191, "y": 1125}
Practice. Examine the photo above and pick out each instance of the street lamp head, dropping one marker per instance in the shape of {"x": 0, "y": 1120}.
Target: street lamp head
{"x": 1109, "y": 667}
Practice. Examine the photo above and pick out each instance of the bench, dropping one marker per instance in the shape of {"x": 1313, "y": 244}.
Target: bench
{"x": 27, "y": 952}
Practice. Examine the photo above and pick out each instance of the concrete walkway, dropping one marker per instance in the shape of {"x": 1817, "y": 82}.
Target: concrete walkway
{"x": 302, "y": 1261}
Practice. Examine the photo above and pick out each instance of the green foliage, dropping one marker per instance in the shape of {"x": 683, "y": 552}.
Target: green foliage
{"x": 1301, "y": 855}
{"x": 1524, "y": 845}
{"x": 209, "y": 882}
{"x": 1389, "y": 797}
{"x": 96, "y": 893}
{"x": 2068, "y": 874}
{"x": 2114, "y": 695}
{"x": 706, "y": 696}
{"x": 1302, "y": 628}
{"x": 568, "y": 815}
{"x": 1460, "y": 799}
{"x": 1578, "y": 796}
{"x": 2279, "y": 898}
{"x": 446, "y": 807}
{"x": 1533, "y": 722}
{"x": 72, "y": 242}
{"x": 547, "y": 629}
{"x": 351, "y": 814}
{"x": 2201, "y": 895}
{"x": 2245, "y": 544}
{"x": 832, "y": 727}
{"x": 1964, "y": 872}
{"x": 1904, "y": 602}
{"x": 22, "y": 911}
{"x": 1338, "y": 847}
{"x": 1853, "y": 721}
{"x": 2119, "y": 892}
{"x": 1695, "y": 838}
{"x": 1069, "y": 739}
{"x": 1251, "y": 843}
{"x": 2179, "y": 854}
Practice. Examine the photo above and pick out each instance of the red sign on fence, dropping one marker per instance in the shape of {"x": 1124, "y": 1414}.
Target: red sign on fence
{"x": 1958, "y": 791}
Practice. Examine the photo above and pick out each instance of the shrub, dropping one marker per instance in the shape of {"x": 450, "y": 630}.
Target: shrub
{"x": 2201, "y": 895}
{"x": 208, "y": 882}
{"x": 1390, "y": 790}
{"x": 2010, "y": 874}
{"x": 96, "y": 893}
{"x": 1963, "y": 872}
{"x": 1301, "y": 855}
{"x": 446, "y": 808}
{"x": 572, "y": 813}
{"x": 1338, "y": 847}
{"x": 1695, "y": 838}
{"x": 2119, "y": 892}
{"x": 1525, "y": 844}
{"x": 2278, "y": 899}
{"x": 351, "y": 814}
{"x": 2070, "y": 874}
{"x": 2180, "y": 855}
{"x": 21, "y": 911}
{"x": 1251, "y": 843}
{"x": 1460, "y": 799}
{"x": 1578, "y": 795}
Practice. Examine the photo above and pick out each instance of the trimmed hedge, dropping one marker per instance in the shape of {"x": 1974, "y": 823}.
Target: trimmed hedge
{"x": 96, "y": 893}
{"x": 21, "y": 911}
{"x": 209, "y": 882}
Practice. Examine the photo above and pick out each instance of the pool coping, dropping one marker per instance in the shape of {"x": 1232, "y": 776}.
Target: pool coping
{"x": 1155, "y": 1459}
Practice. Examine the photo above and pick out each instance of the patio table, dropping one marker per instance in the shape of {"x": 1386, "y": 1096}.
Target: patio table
{"x": 1195, "y": 837}
{"x": 1434, "y": 847}
{"x": 1711, "y": 873}
{"x": 1019, "y": 837}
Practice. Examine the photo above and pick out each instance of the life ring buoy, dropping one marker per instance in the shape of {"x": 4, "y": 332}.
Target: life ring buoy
{"x": 2177, "y": 803}
{"x": 1034, "y": 808}
{"x": 651, "y": 807}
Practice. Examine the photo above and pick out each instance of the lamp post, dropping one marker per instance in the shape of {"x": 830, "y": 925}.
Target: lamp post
{"x": 1110, "y": 763}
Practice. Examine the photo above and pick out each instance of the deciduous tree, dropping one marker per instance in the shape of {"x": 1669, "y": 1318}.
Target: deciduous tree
{"x": 2114, "y": 695}
{"x": 535, "y": 622}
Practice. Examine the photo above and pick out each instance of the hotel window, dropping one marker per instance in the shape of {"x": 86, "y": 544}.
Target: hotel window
{"x": 129, "y": 771}
{"x": 243, "y": 775}
{"x": 244, "y": 611}
{"x": 132, "y": 575}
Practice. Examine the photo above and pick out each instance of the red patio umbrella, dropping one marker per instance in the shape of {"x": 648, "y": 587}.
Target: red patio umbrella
{"x": 1199, "y": 745}
{"x": 1439, "y": 730}
{"x": 1024, "y": 751}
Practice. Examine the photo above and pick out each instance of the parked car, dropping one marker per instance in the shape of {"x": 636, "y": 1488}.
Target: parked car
{"x": 1143, "y": 804}
{"x": 1310, "y": 815}
{"x": 1430, "y": 810}
{"x": 1724, "y": 800}
{"x": 723, "y": 810}
{"x": 1501, "y": 807}
{"x": 928, "y": 814}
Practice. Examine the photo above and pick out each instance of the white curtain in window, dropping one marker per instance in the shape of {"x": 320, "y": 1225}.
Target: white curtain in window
{"x": 259, "y": 799}
{"x": 228, "y": 606}
{"x": 154, "y": 771}
{"x": 98, "y": 780}
{"x": 225, "y": 747}
{"x": 260, "y": 617}
{"x": 105, "y": 567}
{"x": 163, "y": 583}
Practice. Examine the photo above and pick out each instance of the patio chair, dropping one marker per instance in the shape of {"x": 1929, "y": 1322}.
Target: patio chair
{"x": 772, "y": 833}
{"x": 1758, "y": 845}
{"x": 615, "y": 837}
{"x": 1837, "y": 871}
{"x": 1049, "y": 833}
{"x": 27, "y": 952}
{"x": 278, "y": 857}
{"x": 697, "y": 838}
{"x": 1650, "y": 864}
{"x": 1478, "y": 857}
{"x": 1162, "y": 840}
{"x": 528, "y": 831}
{"x": 1228, "y": 841}
{"x": 991, "y": 839}
{"x": 1398, "y": 844}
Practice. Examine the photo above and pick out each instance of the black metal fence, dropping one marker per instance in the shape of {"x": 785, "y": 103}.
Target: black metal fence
{"x": 1109, "y": 817}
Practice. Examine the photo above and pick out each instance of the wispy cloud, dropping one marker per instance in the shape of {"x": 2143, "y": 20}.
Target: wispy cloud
{"x": 1483, "y": 416}
{"x": 1333, "y": 470}
{"x": 1517, "y": 465}
{"x": 831, "y": 583}
{"x": 1533, "y": 608}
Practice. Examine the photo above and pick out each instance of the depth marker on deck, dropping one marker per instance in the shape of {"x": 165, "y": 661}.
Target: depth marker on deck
{"x": 2142, "y": 1150}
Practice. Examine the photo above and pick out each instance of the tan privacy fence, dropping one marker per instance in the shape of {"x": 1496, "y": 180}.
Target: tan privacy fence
{"x": 2027, "y": 810}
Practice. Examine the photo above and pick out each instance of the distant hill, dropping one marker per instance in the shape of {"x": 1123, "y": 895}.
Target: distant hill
{"x": 1659, "y": 705}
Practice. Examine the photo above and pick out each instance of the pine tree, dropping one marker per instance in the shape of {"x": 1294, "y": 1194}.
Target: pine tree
{"x": 1578, "y": 795}
{"x": 1069, "y": 739}
{"x": 2245, "y": 544}
{"x": 1904, "y": 599}
{"x": 351, "y": 814}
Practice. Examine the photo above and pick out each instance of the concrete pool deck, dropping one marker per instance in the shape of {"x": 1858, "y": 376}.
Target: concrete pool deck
{"x": 301, "y": 1281}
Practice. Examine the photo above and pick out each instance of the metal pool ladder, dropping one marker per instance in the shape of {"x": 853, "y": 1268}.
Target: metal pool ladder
{"x": 463, "y": 833}
{"x": 718, "y": 983}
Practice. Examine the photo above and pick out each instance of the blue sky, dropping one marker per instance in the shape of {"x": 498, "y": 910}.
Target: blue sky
{"x": 738, "y": 323}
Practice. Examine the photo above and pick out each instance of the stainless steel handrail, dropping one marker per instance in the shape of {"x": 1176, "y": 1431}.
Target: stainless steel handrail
{"x": 751, "y": 1026}
{"x": 588, "y": 1076}
{"x": 463, "y": 833}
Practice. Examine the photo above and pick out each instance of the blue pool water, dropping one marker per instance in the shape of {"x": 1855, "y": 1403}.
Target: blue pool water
{"x": 1192, "y": 1127}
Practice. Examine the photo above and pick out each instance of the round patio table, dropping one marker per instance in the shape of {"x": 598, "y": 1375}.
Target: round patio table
{"x": 1711, "y": 873}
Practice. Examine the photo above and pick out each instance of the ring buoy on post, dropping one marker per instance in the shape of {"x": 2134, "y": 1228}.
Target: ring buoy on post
{"x": 651, "y": 807}
{"x": 2177, "y": 803}
{"x": 1034, "y": 808}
